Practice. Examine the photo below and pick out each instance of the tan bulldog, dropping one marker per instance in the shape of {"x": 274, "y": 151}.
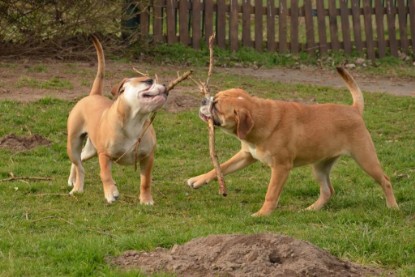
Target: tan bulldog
{"x": 116, "y": 131}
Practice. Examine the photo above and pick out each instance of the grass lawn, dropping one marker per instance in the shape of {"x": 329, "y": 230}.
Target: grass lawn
{"x": 45, "y": 232}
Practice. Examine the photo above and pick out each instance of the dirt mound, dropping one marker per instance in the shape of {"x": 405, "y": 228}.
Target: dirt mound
{"x": 242, "y": 255}
{"x": 16, "y": 143}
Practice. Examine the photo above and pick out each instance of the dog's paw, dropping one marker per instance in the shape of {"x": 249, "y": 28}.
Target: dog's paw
{"x": 147, "y": 202}
{"x": 70, "y": 182}
{"x": 112, "y": 194}
{"x": 261, "y": 213}
{"x": 76, "y": 190}
{"x": 146, "y": 198}
{"x": 197, "y": 182}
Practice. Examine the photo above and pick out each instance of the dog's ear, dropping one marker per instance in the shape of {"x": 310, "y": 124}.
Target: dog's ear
{"x": 118, "y": 89}
{"x": 244, "y": 123}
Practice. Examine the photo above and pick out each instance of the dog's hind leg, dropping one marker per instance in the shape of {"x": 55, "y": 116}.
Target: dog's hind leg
{"x": 367, "y": 159}
{"x": 76, "y": 177}
{"x": 88, "y": 152}
{"x": 321, "y": 172}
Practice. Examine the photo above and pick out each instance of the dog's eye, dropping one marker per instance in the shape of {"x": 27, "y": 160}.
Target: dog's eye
{"x": 149, "y": 82}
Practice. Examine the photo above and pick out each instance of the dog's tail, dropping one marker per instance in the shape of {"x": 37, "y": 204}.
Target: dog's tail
{"x": 358, "y": 102}
{"x": 98, "y": 86}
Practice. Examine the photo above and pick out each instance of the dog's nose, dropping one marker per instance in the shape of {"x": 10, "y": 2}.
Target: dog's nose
{"x": 205, "y": 101}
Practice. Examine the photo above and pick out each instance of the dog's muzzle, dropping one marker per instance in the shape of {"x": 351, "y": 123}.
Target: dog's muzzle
{"x": 205, "y": 110}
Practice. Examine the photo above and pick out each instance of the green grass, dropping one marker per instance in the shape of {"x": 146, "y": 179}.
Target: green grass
{"x": 55, "y": 83}
{"x": 45, "y": 232}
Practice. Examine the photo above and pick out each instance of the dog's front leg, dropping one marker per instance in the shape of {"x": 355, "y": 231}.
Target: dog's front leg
{"x": 238, "y": 161}
{"x": 146, "y": 165}
{"x": 110, "y": 190}
{"x": 279, "y": 175}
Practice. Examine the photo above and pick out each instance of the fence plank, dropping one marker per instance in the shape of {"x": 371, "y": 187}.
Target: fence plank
{"x": 208, "y": 19}
{"x": 356, "y": 24}
{"x": 367, "y": 15}
{"x": 157, "y": 21}
{"x": 412, "y": 22}
{"x": 294, "y": 26}
{"x": 144, "y": 19}
{"x": 196, "y": 30}
{"x": 221, "y": 23}
{"x": 402, "y": 24}
{"x": 283, "y": 13}
{"x": 259, "y": 10}
{"x": 184, "y": 21}
{"x": 391, "y": 12}
{"x": 379, "y": 8}
{"x": 344, "y": 15}
{"x": 271, "y": 25}
{"x": 171, "y": 21}
{"x": 334, "y": 37}
{"x": 233, "y": 28}
{"x": 321, "y": 19}
{"x": 309, "y": 25}
{"x": 246, "y": 23}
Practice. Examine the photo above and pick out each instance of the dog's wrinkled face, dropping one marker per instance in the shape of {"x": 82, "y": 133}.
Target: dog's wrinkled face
{"x": 143, "y": 94}
{"x": 229, "y": 111}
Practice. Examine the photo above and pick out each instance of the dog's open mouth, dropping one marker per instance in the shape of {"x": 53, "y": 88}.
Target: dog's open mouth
{"x": 151, "y": 93}
{"x": 204, "y": 117}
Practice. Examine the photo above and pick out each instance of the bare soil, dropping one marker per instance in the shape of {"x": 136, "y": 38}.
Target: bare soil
{"x": 18, "y": 144}
{"x": 81, "y": 75}
{"x": 242, "y": 255}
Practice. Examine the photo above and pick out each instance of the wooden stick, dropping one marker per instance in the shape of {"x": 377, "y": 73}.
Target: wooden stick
{"x": 212, "y": 152}
{"x": 13, "y": 178}
{"x": 173, "y": 83}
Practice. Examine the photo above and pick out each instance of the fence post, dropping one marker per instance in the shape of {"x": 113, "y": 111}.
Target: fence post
{"x": 356, "y": 24}
{"x": 391, "y": 11}
{"x": 412, "y": 22}
{"x": 367, "y": 12}
{"x": 221, "y": 23}
{"x": 196, "y": 32}
{"x": 294, "y": 27}
{"x": 344, "y": 15}
{"x": 309, "y": 26}
{"x": 322, "y": 38}
{"x": 233, "y": 28}
{"x": 379, "y": 27}
{"x": 282, "y": 31}
{"x": 171, "y": 21}
{"x": 259, "y": 10}
{"x": 246, "y": 23}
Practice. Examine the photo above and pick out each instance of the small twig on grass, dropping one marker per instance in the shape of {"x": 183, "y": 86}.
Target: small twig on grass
{"x": 24, "y": 178}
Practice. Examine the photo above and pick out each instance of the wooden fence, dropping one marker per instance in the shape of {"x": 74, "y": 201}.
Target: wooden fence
{"x": 378, "y": 27}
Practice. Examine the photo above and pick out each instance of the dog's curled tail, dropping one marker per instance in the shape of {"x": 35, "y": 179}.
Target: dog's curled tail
{"x": 98, "y": 86}
{"x": 358, "y": 102}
